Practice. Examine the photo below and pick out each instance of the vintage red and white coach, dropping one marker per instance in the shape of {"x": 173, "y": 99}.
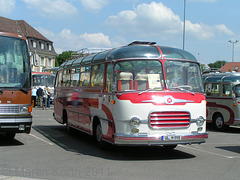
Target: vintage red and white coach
{"x": 139, "y": 94}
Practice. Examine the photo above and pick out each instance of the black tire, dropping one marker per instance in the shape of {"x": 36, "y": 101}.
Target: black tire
{"x": 65, "y": 120}
{"x": 98, "y": 136}
{"x": 218, "y": 123}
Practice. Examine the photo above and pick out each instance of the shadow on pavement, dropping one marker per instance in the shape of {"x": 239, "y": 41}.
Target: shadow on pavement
{"x": 235, "y": 149}
{"x": 82, "y": 143}
{"x": 5, "y": 142}
{"x": 231, "y": 129}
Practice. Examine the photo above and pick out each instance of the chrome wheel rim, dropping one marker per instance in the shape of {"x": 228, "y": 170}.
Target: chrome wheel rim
{"x": 99, "y": 133}
{"x": 219, "y": 122}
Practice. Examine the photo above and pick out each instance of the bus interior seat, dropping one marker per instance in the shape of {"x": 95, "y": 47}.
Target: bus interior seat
{"x": 125, "y": 81}
{"x": 141, "y": 81}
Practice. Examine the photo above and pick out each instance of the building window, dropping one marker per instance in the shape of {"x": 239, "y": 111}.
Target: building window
{"x": 34, "y": 44}
{"x": 42, "y": 45}
{"x": 49, "y": 62}
{"x": 50, "y": 47}
{"x": 42, "y": 61}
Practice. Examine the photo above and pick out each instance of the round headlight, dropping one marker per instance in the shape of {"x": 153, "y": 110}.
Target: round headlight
{"x": 200, "y": 121}
{"x": 135, "y": 122}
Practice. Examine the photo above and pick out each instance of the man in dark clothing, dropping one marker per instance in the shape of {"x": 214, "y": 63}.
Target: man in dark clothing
{"x": 40, "y": 96}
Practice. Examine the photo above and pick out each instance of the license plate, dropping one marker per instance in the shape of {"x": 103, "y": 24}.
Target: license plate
{"x": 171, "y": 138}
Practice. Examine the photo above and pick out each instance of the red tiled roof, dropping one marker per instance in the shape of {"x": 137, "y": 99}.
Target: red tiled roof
{"x": 20, "y": 27}
{"x": 228, "y": 66}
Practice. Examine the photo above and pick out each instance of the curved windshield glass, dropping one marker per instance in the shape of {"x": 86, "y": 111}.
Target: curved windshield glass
{"x": 183, "y": 76}
{"x": 14, "y": 63}
{"x": 139, "y": 75}
{"x": 174, "y": 53}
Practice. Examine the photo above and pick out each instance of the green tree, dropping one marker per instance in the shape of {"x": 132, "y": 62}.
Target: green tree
{"x": 217, "y": 64}
{"x": 61, "y": 58}
{"x": 203, "y": 67}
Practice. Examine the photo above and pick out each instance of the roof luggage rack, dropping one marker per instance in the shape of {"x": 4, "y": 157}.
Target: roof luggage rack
{"x": 135, "y": 43}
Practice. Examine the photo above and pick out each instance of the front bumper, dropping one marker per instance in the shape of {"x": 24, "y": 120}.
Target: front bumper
{"x": 15, "y": 124}
{"x": 145, "y": 140}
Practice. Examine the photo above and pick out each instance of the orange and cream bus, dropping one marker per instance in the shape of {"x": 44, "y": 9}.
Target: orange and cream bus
{"x": 223, "y": 99}
{"x": 139, "y": 94}
{"x": 15, "y": 85}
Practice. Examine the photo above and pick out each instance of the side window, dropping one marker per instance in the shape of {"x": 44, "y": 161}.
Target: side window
{"x": 85, "y": 76}
{"x": 66, "y": 78}
{"x": 97, "y": 75}
{"x": 236, "y": 90}
{"x": 109, "y": 77}
{"x": 59, "y": 79}
{"x": 226, "y": 90}
{"x": 212, "y": 89}
{"x": 74, "y": 78}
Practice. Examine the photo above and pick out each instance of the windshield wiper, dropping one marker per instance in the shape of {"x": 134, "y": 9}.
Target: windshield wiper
{"x": 150, "y": 89}
{"x": 181, "y": 89}
{"x": 23, "y": 90}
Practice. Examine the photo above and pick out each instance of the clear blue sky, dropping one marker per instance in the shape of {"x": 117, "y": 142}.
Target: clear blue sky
{"x": 77, "y": 24}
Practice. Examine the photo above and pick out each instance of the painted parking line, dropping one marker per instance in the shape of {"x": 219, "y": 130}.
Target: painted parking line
{"x": 209, "y": 152}
{"x": 49, "y": 143}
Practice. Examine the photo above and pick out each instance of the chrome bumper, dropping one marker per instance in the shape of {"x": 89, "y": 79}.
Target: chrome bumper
{"x": 145, "y": 140}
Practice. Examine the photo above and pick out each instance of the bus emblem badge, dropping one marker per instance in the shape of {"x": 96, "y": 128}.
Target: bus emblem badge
{"x": 169, "y": 100}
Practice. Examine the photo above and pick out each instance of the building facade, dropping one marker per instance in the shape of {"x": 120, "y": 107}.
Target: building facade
{"x": 39, "y": 46}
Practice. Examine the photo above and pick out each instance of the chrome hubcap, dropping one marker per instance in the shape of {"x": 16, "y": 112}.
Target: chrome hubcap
{"x": 99, "y": 133}
{"x": 219, "y": 122}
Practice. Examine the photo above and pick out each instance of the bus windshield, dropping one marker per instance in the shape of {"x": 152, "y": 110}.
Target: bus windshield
{"x": 183, "y": 76}
{"x": 139, "y": 75}
{"x": 14, "y": 63}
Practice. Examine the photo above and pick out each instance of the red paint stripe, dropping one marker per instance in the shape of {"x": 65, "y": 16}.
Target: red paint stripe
{"x": 231, "y": 112}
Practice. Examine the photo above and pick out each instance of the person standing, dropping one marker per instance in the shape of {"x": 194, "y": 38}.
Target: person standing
{"x": 48, "y": 98}
{"x": 34, "y": 96}
{"x": 40, "y": 97}
{"x": 45, "y": 97}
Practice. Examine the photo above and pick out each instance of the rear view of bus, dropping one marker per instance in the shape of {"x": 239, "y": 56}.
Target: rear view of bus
{"x": 15, "y": 86}
{"x": 139, "y": 94}
{"x": 43, "y": 80}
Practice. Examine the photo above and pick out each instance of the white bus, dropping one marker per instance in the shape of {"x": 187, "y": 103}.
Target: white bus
{"x": 43, "y": 79}
{"x": 139, "y": 94}
{"x": 223, "y": 99}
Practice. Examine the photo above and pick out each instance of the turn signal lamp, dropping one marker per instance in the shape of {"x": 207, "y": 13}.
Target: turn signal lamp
{"x": 30, "y": 109}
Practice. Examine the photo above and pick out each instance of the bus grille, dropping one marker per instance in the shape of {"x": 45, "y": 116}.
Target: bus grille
{"x": 169, "y": 119}
{"x": 9, "y": 109}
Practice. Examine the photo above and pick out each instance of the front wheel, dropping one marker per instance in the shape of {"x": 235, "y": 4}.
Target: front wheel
{"x": 99, "y": 137}
{"x": 218, "y": 123}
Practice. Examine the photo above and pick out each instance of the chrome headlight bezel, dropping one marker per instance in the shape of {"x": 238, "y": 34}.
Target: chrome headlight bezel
{"x": 135, "y": 122}
{"x": 200, "y": 121}
{"x": 24, "y": 109}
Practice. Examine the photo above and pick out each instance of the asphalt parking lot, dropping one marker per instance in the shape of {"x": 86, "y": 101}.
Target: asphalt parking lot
{"x": 48, "y": 152}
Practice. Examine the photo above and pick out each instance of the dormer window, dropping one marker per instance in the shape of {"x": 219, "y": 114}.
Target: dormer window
{"x": 42, "y": 45}
{"x": 34, "y": 44}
